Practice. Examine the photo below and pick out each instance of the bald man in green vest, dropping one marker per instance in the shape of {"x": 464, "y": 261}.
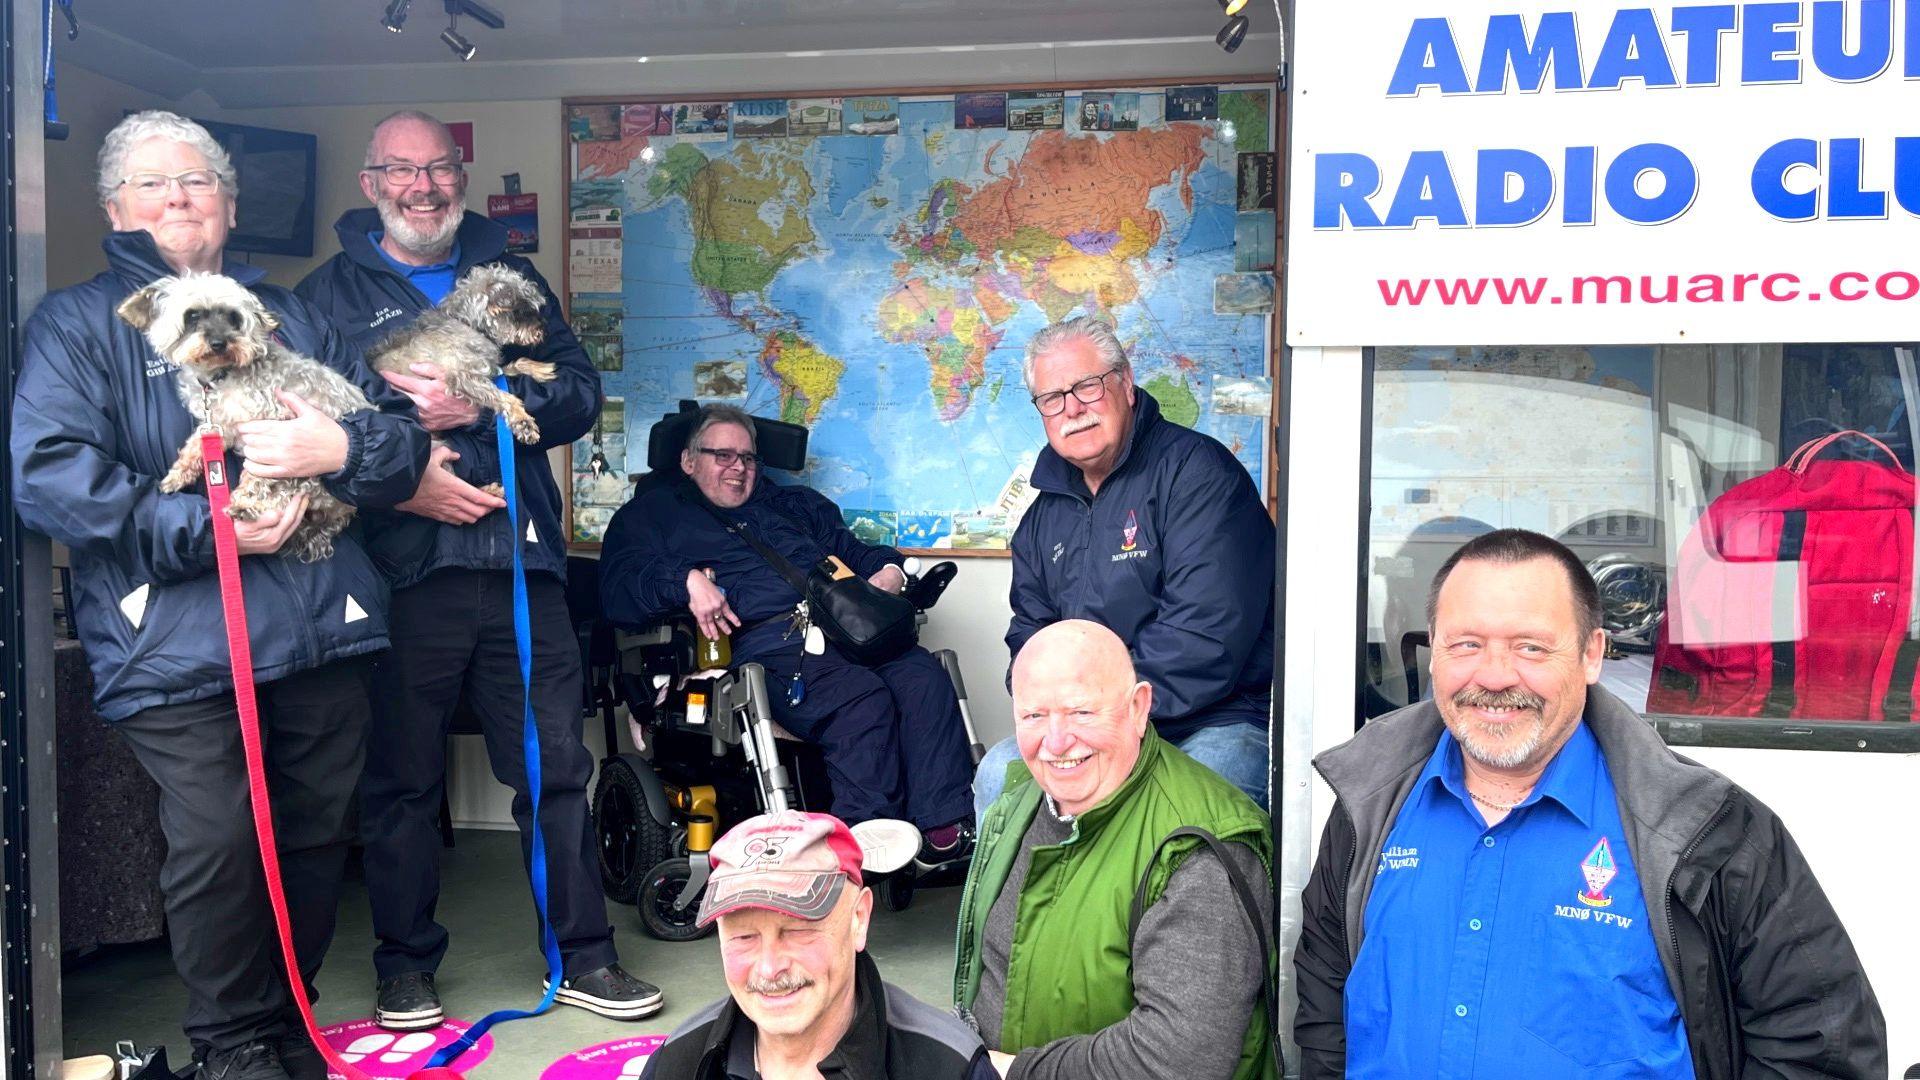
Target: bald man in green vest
{"x": 1094, "y": 941}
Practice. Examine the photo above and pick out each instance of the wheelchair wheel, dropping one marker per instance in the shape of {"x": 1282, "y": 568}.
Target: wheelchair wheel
{"x": 631, "y": 841}
{"x": 664, "y": 883}
{"x": 897, "y": 891}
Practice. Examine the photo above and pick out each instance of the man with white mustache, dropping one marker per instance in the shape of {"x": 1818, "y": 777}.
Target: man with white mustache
{"x": 1520, "y": 879}
{"x": 1098, "y": 816}
{"x": 805, "y": 1000}
{"x": 1156, "y": 532}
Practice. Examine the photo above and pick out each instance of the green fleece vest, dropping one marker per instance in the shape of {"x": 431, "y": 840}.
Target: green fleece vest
{"x": 1070, "y": 969}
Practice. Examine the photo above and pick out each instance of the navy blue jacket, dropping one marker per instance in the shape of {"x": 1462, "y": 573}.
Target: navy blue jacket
{"x": 1175, "y": 555}
{"x": 97, "y": 422}
{"x": 367, "y": 299}
{"x": 654, "y": 540}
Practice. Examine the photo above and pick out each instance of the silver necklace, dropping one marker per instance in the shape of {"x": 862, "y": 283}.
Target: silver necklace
{"x": 1490, "y": 804}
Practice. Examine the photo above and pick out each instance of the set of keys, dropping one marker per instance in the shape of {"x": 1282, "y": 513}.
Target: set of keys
{"x": 815, "y": 644}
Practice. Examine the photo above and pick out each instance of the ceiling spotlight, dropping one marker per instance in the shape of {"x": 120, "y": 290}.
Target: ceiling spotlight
{"x": 396, "y": 17}
{"x": 464, "y": 49}
{"x": 1232, "y": 7}
{"x": 1232, "y": 34}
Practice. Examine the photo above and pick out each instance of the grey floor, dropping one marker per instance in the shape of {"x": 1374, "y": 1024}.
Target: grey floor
{"x": 132, "y": 992}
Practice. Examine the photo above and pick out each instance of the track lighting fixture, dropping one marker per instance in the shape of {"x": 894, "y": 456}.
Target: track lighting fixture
{"x": 1232, "y": 34}
{"x": 1232, "y": 7}
{"x": 396, "y": 17}
{"x": 461, "y": 47}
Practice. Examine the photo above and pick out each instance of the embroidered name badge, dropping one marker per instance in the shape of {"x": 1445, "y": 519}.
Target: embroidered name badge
{"x": 1397, "y": 858}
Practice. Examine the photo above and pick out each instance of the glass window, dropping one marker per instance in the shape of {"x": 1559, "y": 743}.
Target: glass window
{"x": 1747, "y": 510}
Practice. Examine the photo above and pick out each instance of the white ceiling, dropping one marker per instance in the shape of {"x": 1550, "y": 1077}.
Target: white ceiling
{"x": 284, "y": 52}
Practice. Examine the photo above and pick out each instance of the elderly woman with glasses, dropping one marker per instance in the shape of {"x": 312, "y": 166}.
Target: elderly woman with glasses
{"x": 95, "y": 424}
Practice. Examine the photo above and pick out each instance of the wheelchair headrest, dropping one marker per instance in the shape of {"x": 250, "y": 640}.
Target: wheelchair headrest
{"x": 780, "y": 445}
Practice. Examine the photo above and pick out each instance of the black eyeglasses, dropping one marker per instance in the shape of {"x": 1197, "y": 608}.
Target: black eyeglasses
{"x": 401, "y": 174}
{"x": 727, "y": 459}
{"x": 1088, "y": 390}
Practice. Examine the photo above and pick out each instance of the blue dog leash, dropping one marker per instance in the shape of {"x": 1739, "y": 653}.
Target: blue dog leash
{"x": 530, "y": 750}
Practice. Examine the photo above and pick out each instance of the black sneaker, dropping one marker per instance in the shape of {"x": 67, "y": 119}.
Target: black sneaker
{"x": 298, "y": 1056}
{"x": 946, "y": 846}
{"x": 256, "y": 1060}
{"x": 408, "y": 1002}
{"x": 610, "y": 992}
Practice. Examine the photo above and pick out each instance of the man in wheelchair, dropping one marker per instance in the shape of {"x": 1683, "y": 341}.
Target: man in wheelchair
{"x": 892, "y": 736}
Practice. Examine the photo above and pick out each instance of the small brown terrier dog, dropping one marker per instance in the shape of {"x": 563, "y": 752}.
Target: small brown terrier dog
{"x": 491, "y": 307}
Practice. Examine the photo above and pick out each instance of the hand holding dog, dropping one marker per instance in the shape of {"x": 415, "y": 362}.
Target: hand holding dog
{"x": 437, "y": 410}
{"x": 310, "y": 443}
{"x": 445, "y": 497}
{"x": 264, "y": 535}
{"x": 709, "y": 606}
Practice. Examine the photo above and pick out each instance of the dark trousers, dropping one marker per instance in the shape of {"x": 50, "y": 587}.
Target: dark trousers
{"x": 454, "y": 632}
{"x": 313, "y": 727}
{"x": 892, "y": 736}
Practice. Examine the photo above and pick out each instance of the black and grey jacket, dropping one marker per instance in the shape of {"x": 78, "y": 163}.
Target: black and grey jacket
{"x": 894, "y": 1036}
{"x": 1766, "y": 977}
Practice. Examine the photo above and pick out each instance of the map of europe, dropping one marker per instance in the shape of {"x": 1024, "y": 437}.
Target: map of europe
{"x": 881, "y": 289}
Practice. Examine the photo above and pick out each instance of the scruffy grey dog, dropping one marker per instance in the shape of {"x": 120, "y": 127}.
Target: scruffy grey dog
{"x": 491, "y": 307}
{"x": 220, "y": 336}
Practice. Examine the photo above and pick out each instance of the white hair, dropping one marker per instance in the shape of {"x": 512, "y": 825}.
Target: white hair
{"x": 143, "y": 127}
{"x": 1085, "y": 328}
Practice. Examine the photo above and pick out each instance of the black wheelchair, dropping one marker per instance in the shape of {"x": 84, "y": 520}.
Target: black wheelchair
{"x": 710, "y": 752}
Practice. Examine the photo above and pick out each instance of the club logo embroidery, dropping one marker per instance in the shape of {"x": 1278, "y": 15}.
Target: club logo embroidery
{"x": 1599, "y": 870}
{"x": 1130, "y": 531}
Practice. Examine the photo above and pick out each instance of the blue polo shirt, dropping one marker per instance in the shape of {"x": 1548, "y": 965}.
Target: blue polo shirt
{"x": 1521, "y": 950}
{"x": 434, "y": 282}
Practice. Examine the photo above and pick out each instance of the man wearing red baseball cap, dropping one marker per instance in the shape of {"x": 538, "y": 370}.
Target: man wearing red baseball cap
{"x": 805, "y": 1000}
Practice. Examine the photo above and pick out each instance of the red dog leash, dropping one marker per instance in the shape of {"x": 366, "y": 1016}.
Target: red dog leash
{"x": 240, "y": 649}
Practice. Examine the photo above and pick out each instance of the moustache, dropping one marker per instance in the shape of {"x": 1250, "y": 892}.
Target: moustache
{"x": 1512, "y": 698}
{"x": 785, "y": 984}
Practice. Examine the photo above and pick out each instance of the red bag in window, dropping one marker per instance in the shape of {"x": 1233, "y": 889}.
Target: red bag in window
{"x": 1792, "y": 597}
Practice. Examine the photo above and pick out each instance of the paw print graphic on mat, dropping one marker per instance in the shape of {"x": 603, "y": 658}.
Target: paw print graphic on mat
{"x": 389, "y": 1055}
{"x": 392, "y": 1049}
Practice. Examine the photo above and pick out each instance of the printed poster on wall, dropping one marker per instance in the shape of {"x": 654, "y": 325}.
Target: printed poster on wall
{"x": 876, "y": 285}
{"x": 521, "y": 215}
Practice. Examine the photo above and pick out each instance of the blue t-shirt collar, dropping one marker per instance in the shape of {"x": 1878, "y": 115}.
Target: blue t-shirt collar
{"x": 1571, "y": 778}
{"x": 452, "y": 261}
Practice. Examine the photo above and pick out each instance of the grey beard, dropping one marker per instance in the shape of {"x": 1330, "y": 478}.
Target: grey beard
{"x": 423, "y": 245}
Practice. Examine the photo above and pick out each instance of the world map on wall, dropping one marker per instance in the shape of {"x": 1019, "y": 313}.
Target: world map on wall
{"x": 881, "y": 289}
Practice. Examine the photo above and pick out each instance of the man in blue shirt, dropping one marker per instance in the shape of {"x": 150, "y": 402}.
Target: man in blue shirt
{"x": 448, "y": 555}
{"x": 1519, "y": 879}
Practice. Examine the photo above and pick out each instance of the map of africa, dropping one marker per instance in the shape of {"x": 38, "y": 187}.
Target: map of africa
{"x": 881, "y": 289}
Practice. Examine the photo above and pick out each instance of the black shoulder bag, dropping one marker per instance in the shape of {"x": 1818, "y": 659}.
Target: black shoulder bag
{"x": 870, "y": 626}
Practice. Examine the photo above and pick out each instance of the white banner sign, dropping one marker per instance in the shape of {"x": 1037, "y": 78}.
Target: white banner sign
{"x": 1583, "y": 173}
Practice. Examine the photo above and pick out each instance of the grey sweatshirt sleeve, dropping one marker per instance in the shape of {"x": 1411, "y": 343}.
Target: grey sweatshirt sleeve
{"x": 1196, "y": 976}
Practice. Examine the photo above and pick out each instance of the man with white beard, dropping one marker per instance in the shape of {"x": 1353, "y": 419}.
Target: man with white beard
{"x": 447, "y": 555}
{"x": 1520, "y": 879}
